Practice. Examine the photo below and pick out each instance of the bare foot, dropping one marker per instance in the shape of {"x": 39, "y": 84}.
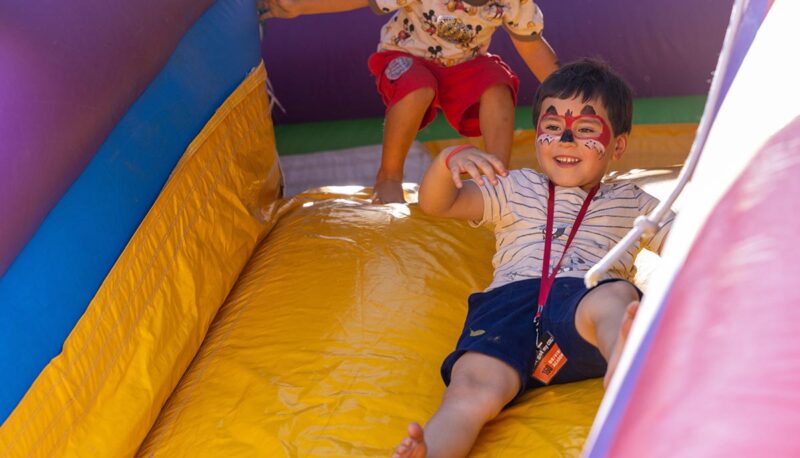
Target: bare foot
{"x": 624, "y": 330}
{"x": 412, "y": 446}
{"x": 388, "y": 191}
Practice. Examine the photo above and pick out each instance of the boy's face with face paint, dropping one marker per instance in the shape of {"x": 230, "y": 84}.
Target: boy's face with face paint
{"x": 574, "y": 141}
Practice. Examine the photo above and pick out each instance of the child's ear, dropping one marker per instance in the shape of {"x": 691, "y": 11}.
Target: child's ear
{"x": 619, "y": 143}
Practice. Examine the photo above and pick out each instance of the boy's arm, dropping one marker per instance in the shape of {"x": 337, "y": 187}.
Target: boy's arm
{"x": 537, "y": 54}
{"x": 286, "y": 9}
{"x": 442, "y": 193}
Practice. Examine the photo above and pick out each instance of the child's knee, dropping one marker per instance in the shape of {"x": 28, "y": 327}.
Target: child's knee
{"x": 617, "y": 293}
{"x": 474, "y": 400}
{"x": 480, "y": 391}
{"x": 606, "y": 302}
{"x": 621, "y": 289}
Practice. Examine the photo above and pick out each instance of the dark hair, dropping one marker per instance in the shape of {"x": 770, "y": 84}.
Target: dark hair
{"x": 589, "y": 78}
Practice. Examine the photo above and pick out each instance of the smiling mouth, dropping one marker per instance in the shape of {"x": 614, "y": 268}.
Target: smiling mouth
{"x": 566, "y": 160}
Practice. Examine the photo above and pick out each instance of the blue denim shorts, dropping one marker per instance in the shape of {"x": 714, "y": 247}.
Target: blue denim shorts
{"x": 500, "y": 324}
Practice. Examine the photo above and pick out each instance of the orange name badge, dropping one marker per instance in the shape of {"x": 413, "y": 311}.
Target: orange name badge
{"x": 549, "y": 360}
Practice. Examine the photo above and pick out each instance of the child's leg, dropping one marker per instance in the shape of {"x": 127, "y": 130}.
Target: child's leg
{"x": 604, "y": 317}
{"x": 496, "y": 115}
{"x": 480, "y": 386}
{"x": 478, "y": 98}
{"x": 402, "y": 122}
{"x": 624, "y": 330}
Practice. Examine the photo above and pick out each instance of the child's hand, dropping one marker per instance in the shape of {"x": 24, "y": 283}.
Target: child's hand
{"x": 283, "y": 9}
{"x": 476, "y": 163}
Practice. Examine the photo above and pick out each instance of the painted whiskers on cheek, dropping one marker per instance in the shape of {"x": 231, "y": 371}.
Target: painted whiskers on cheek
{"x": 547, "y": 138}
{"x": 595, "y": 145}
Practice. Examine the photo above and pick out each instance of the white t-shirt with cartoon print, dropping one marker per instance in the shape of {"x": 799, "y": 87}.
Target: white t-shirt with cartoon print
{"x": 413, "y": 28}
{"x": 517, "y": 207}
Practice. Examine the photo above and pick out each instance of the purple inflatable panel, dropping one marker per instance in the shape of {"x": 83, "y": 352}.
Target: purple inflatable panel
{"x": 68, "y": 72}
{"x": 317, "y": 64}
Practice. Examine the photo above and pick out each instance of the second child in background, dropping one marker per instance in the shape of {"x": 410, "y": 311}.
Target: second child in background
{"x": 433, "y": 54}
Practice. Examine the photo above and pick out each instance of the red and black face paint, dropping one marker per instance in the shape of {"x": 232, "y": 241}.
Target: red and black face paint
{"x": 587, "y": 129}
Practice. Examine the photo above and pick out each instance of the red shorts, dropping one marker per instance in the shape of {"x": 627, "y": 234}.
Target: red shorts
{"x": 458, "y": 88}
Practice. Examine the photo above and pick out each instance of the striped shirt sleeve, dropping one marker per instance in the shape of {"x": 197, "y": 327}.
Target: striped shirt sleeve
{"x": 495, "y": 200}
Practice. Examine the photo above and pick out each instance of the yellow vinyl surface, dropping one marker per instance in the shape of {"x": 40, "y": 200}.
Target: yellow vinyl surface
{"x": 331, "y": 340}
{"x": 101, "y": 395}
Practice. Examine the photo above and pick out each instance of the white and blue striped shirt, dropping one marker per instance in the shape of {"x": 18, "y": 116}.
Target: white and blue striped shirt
{"x": 517, "y": 207}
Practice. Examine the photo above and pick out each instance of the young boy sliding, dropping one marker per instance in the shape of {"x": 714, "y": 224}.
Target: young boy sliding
{"x": 537, "y": 323}
{"x": 434, "y": 54}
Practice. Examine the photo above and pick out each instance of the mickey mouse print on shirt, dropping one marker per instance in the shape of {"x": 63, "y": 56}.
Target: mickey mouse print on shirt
{"x": 450, "y": 32}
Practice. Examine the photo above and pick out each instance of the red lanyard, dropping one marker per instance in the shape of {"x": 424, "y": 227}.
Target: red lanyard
{"x": 548, "y": 279}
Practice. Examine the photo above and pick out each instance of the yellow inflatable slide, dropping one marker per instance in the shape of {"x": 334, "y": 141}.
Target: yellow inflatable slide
{"x": 236, "y": 323}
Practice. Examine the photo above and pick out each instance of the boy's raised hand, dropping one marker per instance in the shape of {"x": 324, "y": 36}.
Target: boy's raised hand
{"x": 283, "y": 9}
{"x": 475, "y": 163}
